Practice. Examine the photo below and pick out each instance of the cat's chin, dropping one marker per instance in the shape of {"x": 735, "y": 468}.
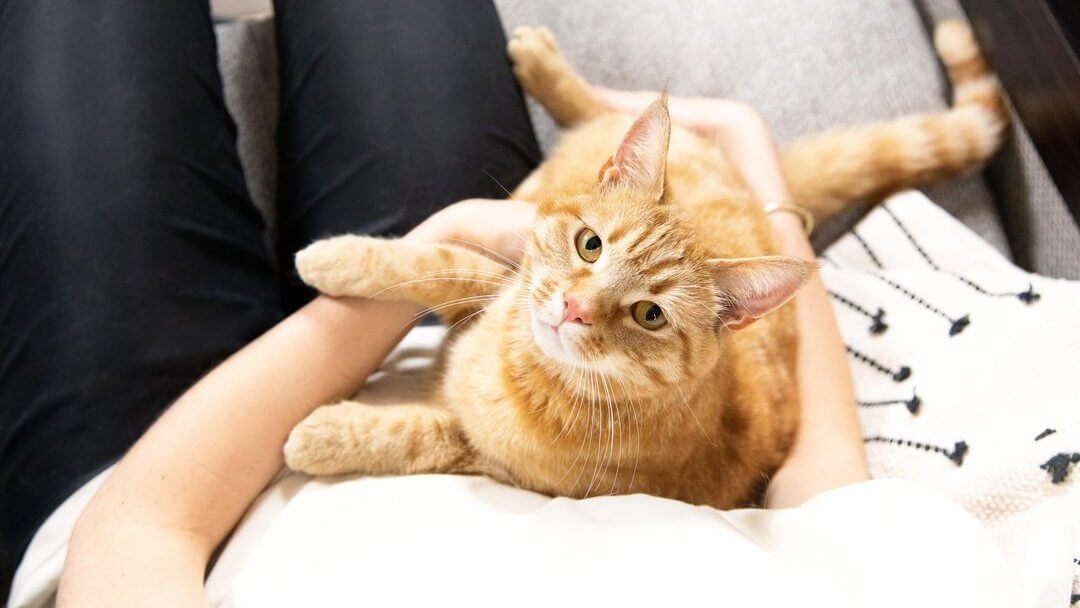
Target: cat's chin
{"x": 550, "y": 343}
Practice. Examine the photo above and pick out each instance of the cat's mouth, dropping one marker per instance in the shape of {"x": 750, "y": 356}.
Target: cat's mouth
{"x": 554, "y": 340}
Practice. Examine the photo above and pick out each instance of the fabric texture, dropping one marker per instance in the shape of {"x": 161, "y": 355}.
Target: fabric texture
{"x": 419, "y": 540}
{"x": 416, "y": 540}
{"x": 964, "y": 367}
{"x": 390, "y": 112}
{"x": 131, "y": 260}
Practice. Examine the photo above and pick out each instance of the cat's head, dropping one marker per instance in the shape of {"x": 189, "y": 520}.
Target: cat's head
{"x": 621, "y": 285}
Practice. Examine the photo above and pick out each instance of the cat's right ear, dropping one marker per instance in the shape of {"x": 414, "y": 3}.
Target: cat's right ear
{"x": 641, "y": 158}
{"x": 754, "y": 287}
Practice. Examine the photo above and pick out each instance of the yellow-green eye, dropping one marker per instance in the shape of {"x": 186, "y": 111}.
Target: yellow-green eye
{"x": 648, "y": 315}
{"x": 588, "y": 245}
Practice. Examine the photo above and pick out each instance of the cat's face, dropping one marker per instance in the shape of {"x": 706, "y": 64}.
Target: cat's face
{"x": 621, "y": 286}
{"x": 621, "y": 289}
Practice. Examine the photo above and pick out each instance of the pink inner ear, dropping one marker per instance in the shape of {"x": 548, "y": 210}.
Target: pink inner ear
{"x": 758, "y": 286}
{"x": 642, "y": 156}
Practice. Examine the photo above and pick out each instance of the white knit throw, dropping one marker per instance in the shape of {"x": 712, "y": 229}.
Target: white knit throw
{"x": 967, "y": 370}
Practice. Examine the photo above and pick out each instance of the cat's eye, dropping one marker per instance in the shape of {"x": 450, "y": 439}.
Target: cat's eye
{"x": 588, "y": 245}
{"x": 648, "y": 315}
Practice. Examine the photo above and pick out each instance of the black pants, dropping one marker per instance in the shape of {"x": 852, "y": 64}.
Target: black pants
{"x": 131, "y": 257}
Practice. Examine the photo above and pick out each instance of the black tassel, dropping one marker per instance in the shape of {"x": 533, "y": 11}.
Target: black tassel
{"x": 912, "y": 404}
{"x": 1058, "y": 466}
{"x": 1045, "y": 434}
{"x": 898, "y": 375}
{"x": 956, "y": 455}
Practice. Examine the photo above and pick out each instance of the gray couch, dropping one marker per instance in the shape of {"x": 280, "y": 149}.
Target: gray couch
{"x": 806, "y": 64}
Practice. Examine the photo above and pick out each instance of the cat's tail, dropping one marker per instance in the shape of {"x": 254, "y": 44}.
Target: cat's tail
{"x": 828, "y": 171}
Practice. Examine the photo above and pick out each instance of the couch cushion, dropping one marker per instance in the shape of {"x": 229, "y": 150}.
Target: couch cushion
{"x": 807, "y": 65}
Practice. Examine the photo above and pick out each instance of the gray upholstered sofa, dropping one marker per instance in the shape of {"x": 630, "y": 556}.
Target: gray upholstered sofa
{"x": 806, "y": 64}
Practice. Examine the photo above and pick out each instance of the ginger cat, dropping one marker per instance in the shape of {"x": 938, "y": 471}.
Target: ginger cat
{"x": 643, "y": 344}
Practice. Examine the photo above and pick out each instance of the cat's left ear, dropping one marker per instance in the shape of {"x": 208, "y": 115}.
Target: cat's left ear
{"x": 754, "y": 287}
{"x": 642, "y": 156}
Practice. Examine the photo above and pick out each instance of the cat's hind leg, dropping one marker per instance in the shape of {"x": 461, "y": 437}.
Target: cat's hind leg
{"x": 353, "y": 437}
{"x": 543, "y": 72}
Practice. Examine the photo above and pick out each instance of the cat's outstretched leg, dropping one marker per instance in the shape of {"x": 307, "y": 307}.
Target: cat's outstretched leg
{"x": 543, "y": 72}
{"x": 353, "y": 437}
{"x": 451, "y": 280}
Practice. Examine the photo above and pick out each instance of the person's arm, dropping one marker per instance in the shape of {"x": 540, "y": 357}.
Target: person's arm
{"x": 147, "y": 535}
{"x": 828, "y": 450}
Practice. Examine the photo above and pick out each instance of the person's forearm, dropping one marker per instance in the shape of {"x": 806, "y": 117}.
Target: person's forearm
{"x": 828, "y": 450}
{"x": 145, "y": 538}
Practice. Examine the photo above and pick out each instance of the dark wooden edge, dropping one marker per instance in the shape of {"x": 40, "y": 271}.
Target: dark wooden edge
{"x": 1041, "y": 74}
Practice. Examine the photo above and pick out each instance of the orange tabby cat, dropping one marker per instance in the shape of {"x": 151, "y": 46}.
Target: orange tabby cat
{"x": 642, "y": 345}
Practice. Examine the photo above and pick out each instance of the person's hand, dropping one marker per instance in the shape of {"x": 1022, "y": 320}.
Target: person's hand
{"x": 496, "y": 228}
{"x": 714, "y": 118}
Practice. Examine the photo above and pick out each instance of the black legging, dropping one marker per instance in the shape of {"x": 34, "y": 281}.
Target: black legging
{"x": 131, "y": 257}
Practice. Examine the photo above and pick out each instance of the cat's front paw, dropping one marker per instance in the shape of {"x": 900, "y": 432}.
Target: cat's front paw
{"x": 336, "y": 266}
{"x": 315, "y": 445}
{"x": 538, "y": 62}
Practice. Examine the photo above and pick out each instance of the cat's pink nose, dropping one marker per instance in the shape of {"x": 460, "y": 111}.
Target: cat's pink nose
{"x": 574, "y": 312}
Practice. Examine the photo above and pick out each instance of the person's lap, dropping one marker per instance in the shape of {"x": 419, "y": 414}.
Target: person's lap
{"x": 131, "y": 256}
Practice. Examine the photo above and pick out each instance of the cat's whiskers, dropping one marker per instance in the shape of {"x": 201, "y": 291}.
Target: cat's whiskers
{"x": 570, "y": 426}
{"x": 513, "y": 267}
{"x": 509, "y": 194}
{"x": 450, "y": 304}
{"x": 586, "y": 441}
{"x": 565, "y": 391}
{"x": 599, "y": 464}
{"x": 686, "y": 404}
{"x": 403, "y": 284}
{"x": 510, "y": 276}
{"x": 483, "y": 273}
{"x": 611, "y": 421}
{"x": 465, "y": 319}
{"x": 637, "y": 430}
{"x": 616, "y": 423}
{"x": 599, "y": 407}
{"x": 564, "y": 422}
{"x": 578, "y": 401}
{"x": 515, "y": 301}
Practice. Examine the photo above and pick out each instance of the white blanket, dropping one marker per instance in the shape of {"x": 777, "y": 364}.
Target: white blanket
{"x": 989, "y": 414}
{"x": 985, "y": 413}
{"x": 444, "y": 540}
